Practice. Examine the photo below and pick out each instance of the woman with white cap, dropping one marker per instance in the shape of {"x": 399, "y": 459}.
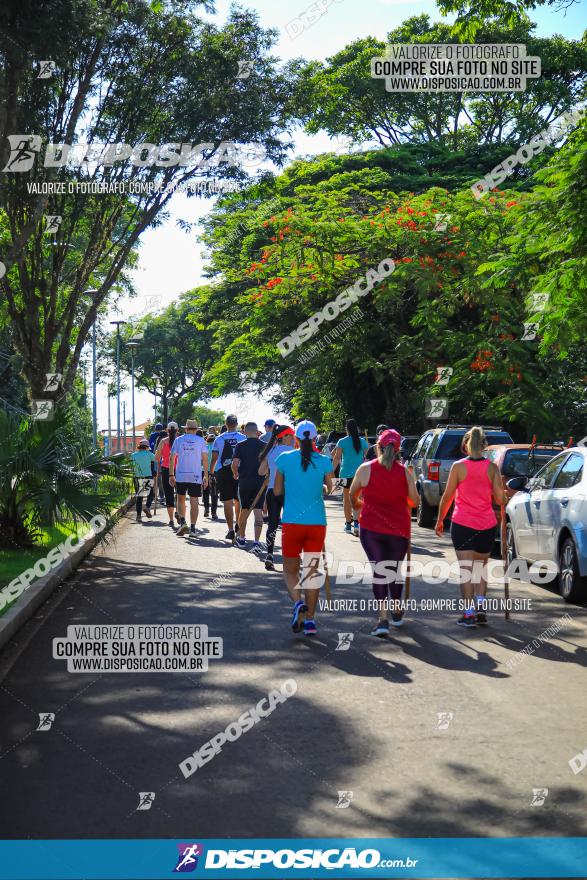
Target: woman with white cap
{"x": 388, "y": 491}
{"x": 301, "y": 475}
{"x": 162, "y": 455}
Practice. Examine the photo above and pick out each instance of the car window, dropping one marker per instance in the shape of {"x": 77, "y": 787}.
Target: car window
{"x": 544, "y": 478}
{"x": 519, "y": 462}
{"x": 450, "y": 446}
{"x": 494, "y": 438}
{"x": 570, "y": 473}
{"x": 434, "y": 445}
{"x": 424, "y": 440}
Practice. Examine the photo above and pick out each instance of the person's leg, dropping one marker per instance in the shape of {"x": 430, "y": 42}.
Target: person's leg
{"x": 242, "y": 522}
{"x": 229, "y": 514}
{"x": 206, "y": 499}
{"x": 375, "y": 552}
{"x": 273, "y": 509}
{"x": 291, "y": 575}
{"x": 139, "y": 505}
{"x": 169, "y": 494}
{"x": 181, "y": 507}
{"x": 346, "y": 503}
{"x": 214, "y": 496}
{"x": 150, "y": 497}
{"x": 313, "y": 580}
{"x": 258, "y": 514}
{"x": 465, "y": 558}
{"x": 194, "y": 508}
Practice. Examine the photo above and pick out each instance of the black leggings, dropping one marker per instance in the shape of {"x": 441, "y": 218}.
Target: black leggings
{"x": 274, "y": 506}
{"x": 210, "y": 494}
{"x": 380, "y": 547}
{"x": 168, "y": 489}
{"x": 139, "y": 503}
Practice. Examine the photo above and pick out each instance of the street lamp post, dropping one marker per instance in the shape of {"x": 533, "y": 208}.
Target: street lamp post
{"x": 94, "y": 381}
{"x": 133, "y": 344}
{"x": 118, "y": 323}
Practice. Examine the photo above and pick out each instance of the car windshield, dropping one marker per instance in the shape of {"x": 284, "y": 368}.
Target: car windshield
{"x": 520, "y": 463}
{"x": 450, "y": 445}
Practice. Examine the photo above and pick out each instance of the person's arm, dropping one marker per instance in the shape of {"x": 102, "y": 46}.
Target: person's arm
{"x": 159, "y": 450}
{"x": 206, "y": 470}
{"x": 278, "y": 487}
{"x": 263, "y": 468}
{"x": 336, "y": 457}
{"x": 214, "y": 460}
{"x": 234, "y": 465}
{"x": 413, "y": 497}
{"x": 447, "y": 498}
{"x": 172, "y": 457}
{"x": 500, "y": 496}
{"x": 360, "y": 480}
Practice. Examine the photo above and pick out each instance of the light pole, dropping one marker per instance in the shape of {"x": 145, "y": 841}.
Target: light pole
{"x": 118, "y": 323}
{"x": 124, "y": 421}
{"x": 133, "y": 344}
{"x": 94, "y": 403}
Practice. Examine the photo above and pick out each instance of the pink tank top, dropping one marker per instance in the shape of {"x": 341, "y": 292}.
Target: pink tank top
{"x": 473, "y": 500}
{"x": 385, "y": 508}
{"x": 165, "y": 450}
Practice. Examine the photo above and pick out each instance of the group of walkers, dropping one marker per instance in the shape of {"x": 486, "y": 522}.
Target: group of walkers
{"x": 282, "y": 479}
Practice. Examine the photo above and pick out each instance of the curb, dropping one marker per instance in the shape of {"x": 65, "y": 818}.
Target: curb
{"x": 19, "y": 613}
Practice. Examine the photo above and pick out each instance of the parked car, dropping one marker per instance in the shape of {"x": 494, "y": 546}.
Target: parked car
{"x": 432, "y": 460}
{"x": 408, "y": 445}
{"x": 547, "y": 519}
{"x": 518, "y": 460}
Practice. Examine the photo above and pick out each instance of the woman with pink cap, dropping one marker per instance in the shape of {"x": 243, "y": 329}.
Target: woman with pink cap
{"x": 388, "y": 492}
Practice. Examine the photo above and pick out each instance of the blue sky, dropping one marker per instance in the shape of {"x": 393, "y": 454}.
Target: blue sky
{"x": 171, "y": 261}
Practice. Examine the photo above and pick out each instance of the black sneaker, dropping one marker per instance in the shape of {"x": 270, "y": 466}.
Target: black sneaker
{"x": 206, "y": 512}
{"x": 230, "y": 535}
{"x": 182, "y": 530}
{"x": 356, "y": 528}
{"x": 397, "y": 618}
{"x": 481, "y": 618}
{"x": 192, "y": 531}
{"x": 467, "y": 620}
{"x": 240, "y": 542}
{"x": 381, "y": 630}
{"x": 269, "y": 562}
{"x": 215, "y": 516}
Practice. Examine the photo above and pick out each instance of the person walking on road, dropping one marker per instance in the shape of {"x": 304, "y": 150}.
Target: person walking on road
{"x": 282, "y": 439}
{"x": 372, "y": 453}
{"x": 222, "y": 452}
{"x": 162, "y": 453}
{"x": 473, "y": 483}
{"x": 349, "y": 452}
{"x": 186, "y": 461}
{"x": 245, "y": 469}
{"x": 211, "y": 491}
{"x": 269, "y": 425}
{"x": 385, "y": 491}
{"x": 145, "y": 464}
{"x": 301, "y": 474}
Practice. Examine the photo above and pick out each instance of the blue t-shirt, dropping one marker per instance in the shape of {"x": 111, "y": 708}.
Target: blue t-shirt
{"x": 351, "y": 459}
{"x": 304, "y": 502}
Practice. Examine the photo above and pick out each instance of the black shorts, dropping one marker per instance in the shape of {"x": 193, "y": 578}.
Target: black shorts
{"x": 227, "y": 485}
{"x": 193, "y": 489}
{"x": 464, "y": 538}
{"x": 247, "y": 493}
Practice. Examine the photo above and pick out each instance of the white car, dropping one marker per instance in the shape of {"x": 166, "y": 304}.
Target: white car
{"x": 547, "y": 519}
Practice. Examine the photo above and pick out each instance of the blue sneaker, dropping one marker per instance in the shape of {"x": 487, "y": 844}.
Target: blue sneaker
{"x": 310, "y": 628}
{"x": 299, "y": 613}
{"x": 348, "y": 528}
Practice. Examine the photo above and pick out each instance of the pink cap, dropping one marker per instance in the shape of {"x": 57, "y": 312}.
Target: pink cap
{"x": 390, "y": 438}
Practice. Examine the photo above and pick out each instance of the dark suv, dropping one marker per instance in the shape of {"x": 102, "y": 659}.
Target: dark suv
{"x": 436, "y": 451}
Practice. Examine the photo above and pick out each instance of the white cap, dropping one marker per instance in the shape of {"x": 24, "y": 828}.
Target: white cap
{"x": 173, "y": 425}
{"x": 306, "y": 426}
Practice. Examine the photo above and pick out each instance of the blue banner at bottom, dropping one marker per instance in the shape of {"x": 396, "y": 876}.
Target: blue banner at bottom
{"x": 417, "y": 857}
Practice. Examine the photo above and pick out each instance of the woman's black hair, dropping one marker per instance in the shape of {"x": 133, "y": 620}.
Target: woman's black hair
{"x": 172, "y": 434}
{"x": 276, "y": 429}
{"x": 306, "y": 450}
{"x": 353, "y": 431}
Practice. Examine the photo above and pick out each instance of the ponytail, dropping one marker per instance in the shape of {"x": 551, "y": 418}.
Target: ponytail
{"x": 353, "y": 432}
{"x": 475, "y": 442}
{"x": 387, "y": 455}
{"x": 306, "y": 450}
{"x": 172, "y": 434}
{"x": 272, "y": 441}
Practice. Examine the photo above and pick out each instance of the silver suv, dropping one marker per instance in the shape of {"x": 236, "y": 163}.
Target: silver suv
{"x": 436, "y": 451}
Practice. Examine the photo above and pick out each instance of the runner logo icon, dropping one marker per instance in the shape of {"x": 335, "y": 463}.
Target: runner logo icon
{"x": 189, "y": 854}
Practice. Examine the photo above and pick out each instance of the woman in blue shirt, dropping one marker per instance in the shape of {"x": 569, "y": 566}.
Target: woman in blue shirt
{"x": 350, "y": 452}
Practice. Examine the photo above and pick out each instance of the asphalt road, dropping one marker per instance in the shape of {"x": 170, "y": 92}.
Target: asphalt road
{"x": 364, "y": 720}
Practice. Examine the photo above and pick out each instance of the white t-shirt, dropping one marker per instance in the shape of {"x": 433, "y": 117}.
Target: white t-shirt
{"x": 189, "y": 449}
{"x": 272, "y": 457}
{"x": 230, "y": 437}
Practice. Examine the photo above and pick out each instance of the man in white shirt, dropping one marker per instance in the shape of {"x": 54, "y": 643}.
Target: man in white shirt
{"x": 186, "y": 460}
{"x": 222, "y": 453}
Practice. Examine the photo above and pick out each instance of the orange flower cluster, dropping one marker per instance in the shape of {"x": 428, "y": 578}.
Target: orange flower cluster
{"x": 483, "y": 362}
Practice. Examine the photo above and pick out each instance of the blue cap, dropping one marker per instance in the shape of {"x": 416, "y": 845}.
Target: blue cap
{"x": 269, "y": 423}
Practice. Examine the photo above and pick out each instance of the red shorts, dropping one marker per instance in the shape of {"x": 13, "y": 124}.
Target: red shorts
{"x": 296, "y": 538}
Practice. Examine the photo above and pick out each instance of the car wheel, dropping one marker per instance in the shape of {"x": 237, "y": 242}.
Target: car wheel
{"x": 510, "y": 541}
{"x": 425, "y": 515}
{"x": 572, "y": 587}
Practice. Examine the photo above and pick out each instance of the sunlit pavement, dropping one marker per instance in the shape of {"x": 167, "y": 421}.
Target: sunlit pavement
{"x": 428, "y": 733}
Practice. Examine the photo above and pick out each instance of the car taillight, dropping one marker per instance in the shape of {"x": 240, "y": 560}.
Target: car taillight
{"x": 434, "y": 470}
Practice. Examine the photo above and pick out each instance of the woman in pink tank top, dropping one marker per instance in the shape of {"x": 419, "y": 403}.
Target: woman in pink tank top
{"x": 474, "y": 483}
